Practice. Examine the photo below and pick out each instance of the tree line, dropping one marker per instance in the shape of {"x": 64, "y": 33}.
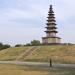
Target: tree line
{"x": 32, "y": 43}
{"x": 4, "y": 46}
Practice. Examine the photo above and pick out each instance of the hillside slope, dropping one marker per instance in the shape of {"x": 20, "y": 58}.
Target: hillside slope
{"x": 12, "y": 53}
{"x": 58, "y": 54}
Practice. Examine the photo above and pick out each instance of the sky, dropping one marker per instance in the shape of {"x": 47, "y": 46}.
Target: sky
{"x": 24, "y": 20}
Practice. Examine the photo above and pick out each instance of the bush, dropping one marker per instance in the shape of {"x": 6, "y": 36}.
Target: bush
{"x": 6, "y": 46}
{"x": 28, "y": 44}
{"x": 18, "y": 45}
{"x": 35, "y": 42}
{"x": 2, "y": 46}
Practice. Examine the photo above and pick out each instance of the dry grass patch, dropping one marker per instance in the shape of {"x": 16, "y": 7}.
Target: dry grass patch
{"x": 59, "y": 54}
{"x": 19, "y": 70}
{"x": 24, "y": 70}
{"x": 12, "y": 53}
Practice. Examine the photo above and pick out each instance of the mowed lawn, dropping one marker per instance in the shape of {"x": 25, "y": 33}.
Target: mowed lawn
{"x": 58, "y": 54}
{"x": 23, "y": 70}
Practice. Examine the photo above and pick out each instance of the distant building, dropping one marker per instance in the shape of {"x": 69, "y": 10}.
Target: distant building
{"x": 51, "y": 31}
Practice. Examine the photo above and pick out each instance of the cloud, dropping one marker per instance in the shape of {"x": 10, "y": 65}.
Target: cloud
{"x": 24, "y": 20}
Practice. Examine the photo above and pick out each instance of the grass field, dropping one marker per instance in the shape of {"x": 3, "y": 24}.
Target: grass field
{"x": 58, "y": 54}
{"x": 23, "y": 70}
{"x": 12, "y": 53}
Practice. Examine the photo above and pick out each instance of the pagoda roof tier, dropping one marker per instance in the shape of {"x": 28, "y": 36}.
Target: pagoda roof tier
{"x": 51, "y": 23}
{"x": 51, "y": 11}
{"x": 51, "y": 20}
{"x": 51, "y": 27}
{"x": 51, "y": 17}
{"x": 49, "y": 31}
{"x": 50, "y": 37}
{"x": 50, "y": 14}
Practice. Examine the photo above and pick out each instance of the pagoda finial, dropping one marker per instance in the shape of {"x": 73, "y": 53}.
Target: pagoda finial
{"x": 50, "y": 7}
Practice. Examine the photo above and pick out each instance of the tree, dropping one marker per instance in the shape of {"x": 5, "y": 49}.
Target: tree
{"x": 2, "y": 46}
{"x": 28, "y": 44}
{"x": 35, "y": 42}
{"x": 18, "y": 45}
{"x": 6, "y": 46}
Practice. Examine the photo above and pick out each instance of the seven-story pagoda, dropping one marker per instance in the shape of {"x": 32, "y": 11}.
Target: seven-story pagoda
{"x": 51, "y": 31}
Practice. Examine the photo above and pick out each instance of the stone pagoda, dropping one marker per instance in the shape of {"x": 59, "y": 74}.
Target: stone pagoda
{"x": 51, "y": 31}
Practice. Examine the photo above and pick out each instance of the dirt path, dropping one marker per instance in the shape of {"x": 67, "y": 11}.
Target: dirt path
{"x": 27, "y": 52}
{"x": 38, "y": 64}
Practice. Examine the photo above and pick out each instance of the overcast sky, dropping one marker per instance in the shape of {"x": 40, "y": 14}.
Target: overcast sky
{"x": 24, "y": 20}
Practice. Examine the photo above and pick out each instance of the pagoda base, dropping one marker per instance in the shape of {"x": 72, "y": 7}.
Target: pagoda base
{"x": 51, "y": 40}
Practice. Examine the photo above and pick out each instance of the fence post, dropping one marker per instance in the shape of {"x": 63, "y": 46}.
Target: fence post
{"x": 50, "y": 62}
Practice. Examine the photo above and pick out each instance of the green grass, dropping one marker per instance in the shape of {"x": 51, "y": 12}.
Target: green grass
{"x": 24, "y": 70}
{"x": 62, "y": 71}
{"x": 58, "y": 54}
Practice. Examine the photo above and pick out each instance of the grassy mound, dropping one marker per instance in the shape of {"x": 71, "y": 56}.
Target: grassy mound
{"x": 58, "y": 54}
